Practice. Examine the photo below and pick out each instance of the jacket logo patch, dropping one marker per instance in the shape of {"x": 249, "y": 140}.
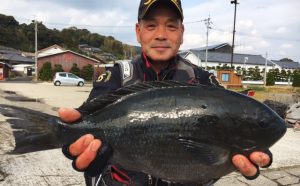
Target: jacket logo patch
{"x": 126, "y": 70}
{"x": 104, "y": 77}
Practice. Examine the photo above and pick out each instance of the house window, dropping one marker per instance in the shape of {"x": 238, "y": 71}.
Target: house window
{"x": 225, "y": 77}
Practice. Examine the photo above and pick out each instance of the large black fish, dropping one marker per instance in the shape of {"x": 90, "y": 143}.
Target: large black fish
{"x": 177, "y": 132}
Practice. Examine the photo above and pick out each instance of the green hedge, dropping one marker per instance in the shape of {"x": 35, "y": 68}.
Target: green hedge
{"x": 45, "y": 73}
{"x": 296, "y": 79}
{"x": 87, "y": 72}
{"x": 270, "y": 79}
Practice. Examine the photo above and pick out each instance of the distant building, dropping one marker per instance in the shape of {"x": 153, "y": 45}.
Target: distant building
{"x": 89, "y": 49}
{"x": 10, "y": 57}
{"x": 219, "y": 55}
{"x": 287, "y": 65}
{"x": 66, "y": 59}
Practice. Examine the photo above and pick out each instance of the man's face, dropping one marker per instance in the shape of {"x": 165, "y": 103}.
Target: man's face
{"x": 160, "y": 33}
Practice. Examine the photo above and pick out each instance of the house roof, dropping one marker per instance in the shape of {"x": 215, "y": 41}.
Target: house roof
{"x": 183, "y": 53}
{"x": 66, "y": 51}
{"x": 212, "y": 47}
{"x": 287, "y": 64}
{"x": 237, "y": 58}
{"x": 16, "y": 57}
{"x": 52, "y": 46}
{"x": 8, "y": 65}
{"x": 8, "y": 50}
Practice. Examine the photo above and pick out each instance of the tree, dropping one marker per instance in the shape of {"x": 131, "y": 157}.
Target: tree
{"x": 87, "y": 72}
{"x": 75, "y": 70}
{"x": 296, "y": 78}
{"x": 270, "y": 78}
{"x": 57, "y": 68}
{"x": 45, "y": 73}
{"x": 22, "y": 37}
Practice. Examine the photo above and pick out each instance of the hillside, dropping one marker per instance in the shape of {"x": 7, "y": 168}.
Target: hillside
{"x": 21, "y": 37}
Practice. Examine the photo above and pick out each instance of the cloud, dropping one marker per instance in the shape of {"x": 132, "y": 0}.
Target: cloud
{"x": 286, "y": 45}
{"x": 280, "y": 30}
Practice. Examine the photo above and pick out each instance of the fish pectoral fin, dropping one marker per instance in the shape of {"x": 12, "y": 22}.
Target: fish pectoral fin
{"x": 205, "y": 152}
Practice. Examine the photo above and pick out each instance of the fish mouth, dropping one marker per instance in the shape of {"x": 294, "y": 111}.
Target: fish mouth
{"x": 292, "y": 120}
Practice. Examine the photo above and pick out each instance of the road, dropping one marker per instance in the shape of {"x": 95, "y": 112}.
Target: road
{"x": 52, "y": 168}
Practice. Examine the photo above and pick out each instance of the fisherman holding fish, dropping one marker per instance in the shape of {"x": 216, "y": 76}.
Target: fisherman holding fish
{"x": 160, "y": 32}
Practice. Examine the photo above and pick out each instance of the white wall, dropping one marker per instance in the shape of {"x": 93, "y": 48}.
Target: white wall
{"x": 195, "y": 60}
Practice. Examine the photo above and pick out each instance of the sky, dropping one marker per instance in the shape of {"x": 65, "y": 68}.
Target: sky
{"x": 262, "y": 26}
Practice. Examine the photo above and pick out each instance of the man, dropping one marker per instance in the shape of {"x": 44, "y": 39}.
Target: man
{"x": 160, "y": 32}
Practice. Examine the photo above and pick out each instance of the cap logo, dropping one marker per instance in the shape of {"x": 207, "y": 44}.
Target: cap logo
{"x": 175, "y": 2}
{"x": 149, "y": 2}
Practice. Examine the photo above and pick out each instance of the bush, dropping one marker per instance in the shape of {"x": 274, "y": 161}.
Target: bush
{"x": 57, "y": 68}
{"x": 296, "y": 79}
{"x": 270, "y": 79}
{"x": 87, "y": 72}
{"x": 75, "y": 70}
{"x": 45, "y": 73}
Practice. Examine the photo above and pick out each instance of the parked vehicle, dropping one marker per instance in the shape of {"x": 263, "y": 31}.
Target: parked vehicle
{"x": 65, "y": 78}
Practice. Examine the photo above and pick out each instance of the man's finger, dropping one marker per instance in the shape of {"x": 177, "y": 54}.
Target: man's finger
{"x": 69, "y": 115}
{"x": 84, "y": 160}
{"x": 259, "y": 158}
{"x": 80, "y": 145}
{"x": 243, "y": 164}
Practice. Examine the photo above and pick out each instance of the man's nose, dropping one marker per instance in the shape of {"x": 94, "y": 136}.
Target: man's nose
{"x": 161, "y": 33}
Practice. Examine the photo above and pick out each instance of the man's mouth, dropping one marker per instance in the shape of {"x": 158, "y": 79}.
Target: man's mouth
{"x": 160, "y": 47}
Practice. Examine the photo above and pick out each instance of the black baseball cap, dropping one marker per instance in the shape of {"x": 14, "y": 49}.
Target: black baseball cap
{"x": 145, "y": 5}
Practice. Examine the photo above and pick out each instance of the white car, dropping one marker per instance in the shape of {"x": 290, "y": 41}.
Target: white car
{"x": 66, "y": 78}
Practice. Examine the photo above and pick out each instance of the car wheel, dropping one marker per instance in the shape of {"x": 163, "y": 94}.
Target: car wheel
{"x": 80, "y": 83}
{"x": 57, "y": 83}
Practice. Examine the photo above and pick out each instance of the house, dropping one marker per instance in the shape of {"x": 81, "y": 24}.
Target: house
{"x": 65, "y": 58}
{"x": 287, "y": 65}
{"x": 9, "y": 58}
{"x": 219, "y": 55}
{"x": 89, "y": 49}
{"x": 4, "y": 70}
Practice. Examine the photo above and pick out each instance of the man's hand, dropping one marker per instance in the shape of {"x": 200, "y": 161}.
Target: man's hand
{"x": 85, "y": 149}
{"x": 69, "y": 115}
{"x": 246, "y": 166}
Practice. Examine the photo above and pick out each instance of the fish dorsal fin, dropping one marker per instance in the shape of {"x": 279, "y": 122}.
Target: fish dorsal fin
{"x": 101, "y": 102}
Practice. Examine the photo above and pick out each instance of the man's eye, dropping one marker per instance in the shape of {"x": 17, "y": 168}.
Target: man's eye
{"x": 150, "y": 26}
{"x": 172, "y": 27}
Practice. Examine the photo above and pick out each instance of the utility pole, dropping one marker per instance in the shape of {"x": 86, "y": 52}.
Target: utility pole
{"x": 207, "y": 23}
{"x": 235, "y": 2}
{"x": 36, "y": 53}
{"x": 265, "y": 75}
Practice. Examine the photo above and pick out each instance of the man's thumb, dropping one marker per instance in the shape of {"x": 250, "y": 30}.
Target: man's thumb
{"x": 69, "y": 115}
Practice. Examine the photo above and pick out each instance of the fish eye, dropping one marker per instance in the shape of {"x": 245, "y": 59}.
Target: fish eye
{"x": 263, "y": 124}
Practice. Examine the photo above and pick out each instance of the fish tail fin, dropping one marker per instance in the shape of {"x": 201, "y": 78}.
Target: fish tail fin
{"x": 32, "y": 130}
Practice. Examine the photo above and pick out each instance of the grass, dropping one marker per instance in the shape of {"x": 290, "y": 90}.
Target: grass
{"x": 262, "y": 93}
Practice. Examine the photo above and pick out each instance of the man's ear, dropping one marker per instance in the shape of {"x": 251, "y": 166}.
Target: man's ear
{"x": 182, "y": 32}
{"x": 137, "y": 32}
